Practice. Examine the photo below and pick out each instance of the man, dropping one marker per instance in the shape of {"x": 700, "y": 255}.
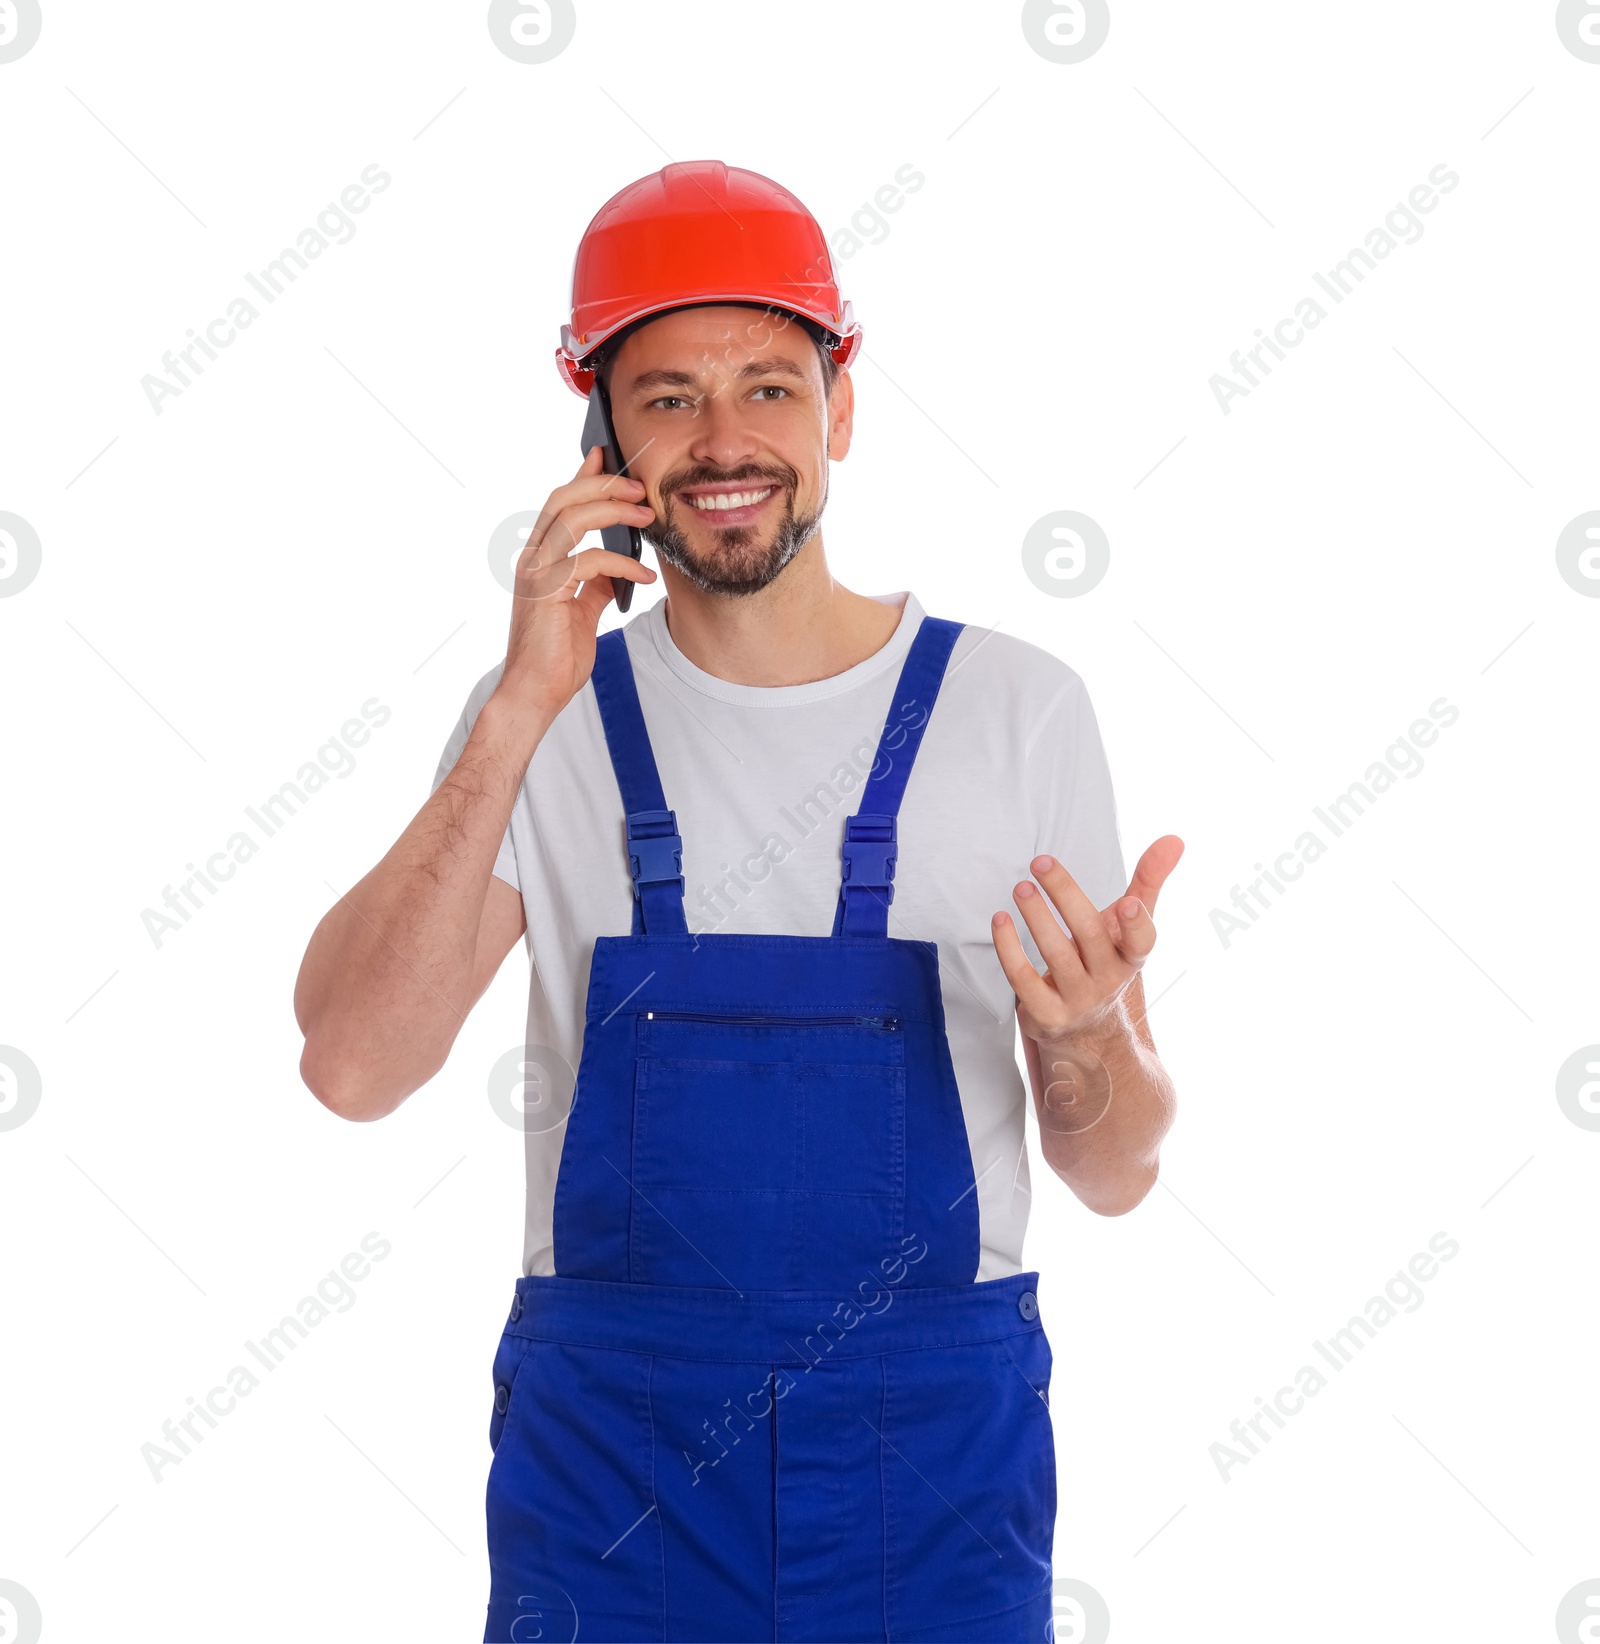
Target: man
{"x": 774, "y": 1368}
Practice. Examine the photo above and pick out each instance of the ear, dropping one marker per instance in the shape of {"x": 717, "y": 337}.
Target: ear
{"x": 841, "y": 417}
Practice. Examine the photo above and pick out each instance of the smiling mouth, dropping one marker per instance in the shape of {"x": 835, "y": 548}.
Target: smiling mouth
{"x": 722, "y": 502}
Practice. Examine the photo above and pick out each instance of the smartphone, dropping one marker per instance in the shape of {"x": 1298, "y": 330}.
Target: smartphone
{"x": 620, "y": 539}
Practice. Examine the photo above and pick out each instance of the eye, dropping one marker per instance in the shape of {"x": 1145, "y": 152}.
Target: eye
{"x": 670, "y": 400}
{"x": 773, "y": 388}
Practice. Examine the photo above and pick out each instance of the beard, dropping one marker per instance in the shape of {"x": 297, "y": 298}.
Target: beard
{"x": 741, "y": 562}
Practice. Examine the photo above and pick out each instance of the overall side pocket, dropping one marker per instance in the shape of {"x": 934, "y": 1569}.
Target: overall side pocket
{"x": 508, "y": 1361}
{"x": 1029, "y": 1354}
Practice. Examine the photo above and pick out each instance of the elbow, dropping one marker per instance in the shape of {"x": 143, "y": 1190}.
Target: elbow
{"x": 1118, "y": 1202}
{"x": 341, "y": 1090}
{"x": 1117, "y": 1199}
{"x": 1127, "y": 1183}
{"x": 1116, "y": 1195}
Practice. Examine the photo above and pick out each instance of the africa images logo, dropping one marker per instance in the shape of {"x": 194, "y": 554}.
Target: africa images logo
{"x": 20, "y": 1090}
{"x": 335, "y": 225}
{"x": 1578, "y": 26}
{"x": 532, "y": 31}
{"x": 20, "y": 1619}
{"x": 1402, "y": 226}
{"x": 335, "y": 759}
{"x": 1066, "y": 31}
{"x": 20, "y": 23}
{"x": 20, "y": 553}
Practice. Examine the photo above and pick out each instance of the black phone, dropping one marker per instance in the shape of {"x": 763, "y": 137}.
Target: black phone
{"x": 620, "y": 539}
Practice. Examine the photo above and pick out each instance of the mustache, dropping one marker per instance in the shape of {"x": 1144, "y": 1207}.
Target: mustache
{"x": 786, "y": 478}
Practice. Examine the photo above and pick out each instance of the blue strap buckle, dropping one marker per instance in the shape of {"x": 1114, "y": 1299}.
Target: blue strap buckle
{"x": 655, "y": 849}
{"x": 869, "y": 852}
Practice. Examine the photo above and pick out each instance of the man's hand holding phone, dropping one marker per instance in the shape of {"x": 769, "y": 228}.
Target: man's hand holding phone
{"x": 562, "y": 590}
{"x": 395, "y": 965}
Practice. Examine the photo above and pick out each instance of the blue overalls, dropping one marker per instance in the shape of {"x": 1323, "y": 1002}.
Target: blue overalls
{"x": 764, "y": 1397}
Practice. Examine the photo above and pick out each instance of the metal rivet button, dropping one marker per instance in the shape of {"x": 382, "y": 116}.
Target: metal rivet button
{"x": 502, "y": 1399}
{"x": 1028, "y": 1305}
{"x": 516, "y": 1306}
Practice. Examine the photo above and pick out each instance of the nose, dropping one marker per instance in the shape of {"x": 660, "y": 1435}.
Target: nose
{"x": 722, "y": 436}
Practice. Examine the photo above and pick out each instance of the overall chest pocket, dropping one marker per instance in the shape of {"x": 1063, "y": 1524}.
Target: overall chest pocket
{"x": 768, "y": 1153}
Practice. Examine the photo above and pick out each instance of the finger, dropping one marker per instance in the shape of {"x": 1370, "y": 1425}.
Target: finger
{"x": 592, "y": 564}
{"x": 610, "y": 484}
{"x": 597, "y": 593}
{"x": 560, "y": 580}
{"x": 1153, "y": 867}
{"x": 1135, "y": 932}
{"x": 1095, "y": 948}
{"x": 1056, "y": 947}
{"x": 590, "y": 484}
{"x": 594, "y": 488}
{"x": 590, "y": 470}
{"x": 1033, "y": 993}
{"x": 574, "y": 522}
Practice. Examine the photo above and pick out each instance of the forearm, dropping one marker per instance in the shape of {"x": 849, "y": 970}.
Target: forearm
{"x": 1105, "y": 1142}
{"x": 388, "y": 975}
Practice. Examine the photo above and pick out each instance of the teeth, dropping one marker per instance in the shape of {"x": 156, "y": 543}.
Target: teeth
{"x": 730, "y": 499}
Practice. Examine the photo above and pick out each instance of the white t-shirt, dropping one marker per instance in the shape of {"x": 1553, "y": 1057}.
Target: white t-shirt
{"x": 762, "y": 779}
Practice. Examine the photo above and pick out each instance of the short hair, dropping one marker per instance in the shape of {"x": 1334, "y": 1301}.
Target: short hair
{"x": 603, "y": 358}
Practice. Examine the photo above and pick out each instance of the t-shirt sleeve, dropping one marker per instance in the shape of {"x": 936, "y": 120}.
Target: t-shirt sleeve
{"x": 505, "y": 862}
{"x": 1073, "y": 802}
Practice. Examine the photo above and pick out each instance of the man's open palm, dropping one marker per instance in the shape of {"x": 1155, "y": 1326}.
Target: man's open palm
{"x": 1091, "y": 962}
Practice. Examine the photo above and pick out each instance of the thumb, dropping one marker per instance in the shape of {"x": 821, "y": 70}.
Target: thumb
{"x": 1153, "y": 868}
{"x": 593, "y": 597}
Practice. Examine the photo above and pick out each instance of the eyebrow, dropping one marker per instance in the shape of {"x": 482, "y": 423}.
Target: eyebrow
{"x": 775, "y": 365}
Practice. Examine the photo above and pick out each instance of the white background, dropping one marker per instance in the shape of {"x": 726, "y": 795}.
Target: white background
{"x": 305, "y": 528}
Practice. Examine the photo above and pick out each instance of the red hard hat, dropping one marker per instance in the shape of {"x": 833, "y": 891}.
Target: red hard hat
{"x": 699, "y": 232}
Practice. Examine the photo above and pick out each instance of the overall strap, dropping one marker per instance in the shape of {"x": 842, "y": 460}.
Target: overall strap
{"x": 655, "y": 850}
{"x": 866, "y": 885}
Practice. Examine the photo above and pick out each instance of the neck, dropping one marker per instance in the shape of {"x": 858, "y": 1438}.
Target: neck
{"x": 804, "y": 626}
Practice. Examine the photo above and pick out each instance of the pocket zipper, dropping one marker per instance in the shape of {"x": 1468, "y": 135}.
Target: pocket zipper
{"x": 886, "y": 1023}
